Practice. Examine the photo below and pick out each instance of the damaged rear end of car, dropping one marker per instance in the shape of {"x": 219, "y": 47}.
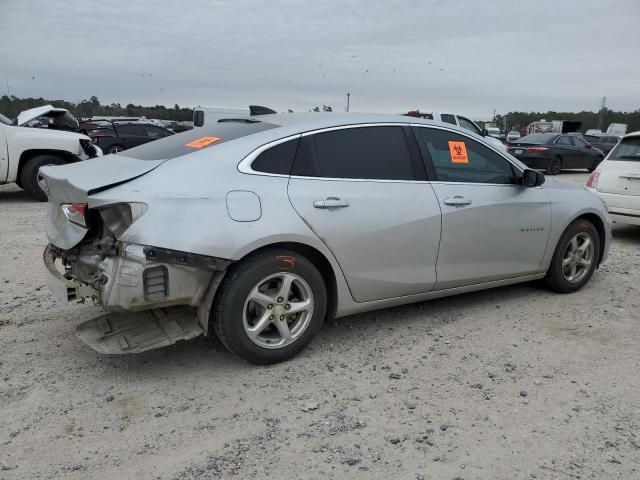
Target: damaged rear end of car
{"x": 151, "y": 294}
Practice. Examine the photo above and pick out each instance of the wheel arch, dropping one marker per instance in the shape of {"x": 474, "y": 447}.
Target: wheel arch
{"x": 600, "y": 228}
{"x": 319, "y": 260}
{"x": 29, "y": 154}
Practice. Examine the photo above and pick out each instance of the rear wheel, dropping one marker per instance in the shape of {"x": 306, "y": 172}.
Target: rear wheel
{"x": 554, "y": 167}
{"x": 30, "y": 178}
{"x": 575, "y": 258}
{"x": 270, "y": 306}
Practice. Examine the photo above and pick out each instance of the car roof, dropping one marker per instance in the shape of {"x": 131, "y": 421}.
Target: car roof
{"x": 632, "y": 134}
{"x": 318, "y": 120}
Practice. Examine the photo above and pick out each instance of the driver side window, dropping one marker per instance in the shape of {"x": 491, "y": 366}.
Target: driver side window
{"x": 457, "y": 158}
{"x": 469, "y": 125}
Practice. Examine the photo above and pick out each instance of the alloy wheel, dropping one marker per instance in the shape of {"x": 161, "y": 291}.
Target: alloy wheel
{"x": 278, "y": 310}
{"x": 578, "y": 257}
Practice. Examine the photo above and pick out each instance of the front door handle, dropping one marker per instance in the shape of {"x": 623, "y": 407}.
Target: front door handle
{"x": 331, "y": 203}
{"x": 457, "y": 201}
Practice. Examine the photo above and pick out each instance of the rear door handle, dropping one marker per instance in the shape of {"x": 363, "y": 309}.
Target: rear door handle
{"x": 457, "y": 201}
{"x": 331, "y": 203}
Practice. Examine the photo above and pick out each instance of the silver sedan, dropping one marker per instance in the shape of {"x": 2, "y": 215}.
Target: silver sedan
{"x": 258, "y": 229}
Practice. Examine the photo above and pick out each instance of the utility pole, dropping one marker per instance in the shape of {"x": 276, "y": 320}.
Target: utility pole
{"x": 602, "y": 110}
{"x": 348, "y": 95}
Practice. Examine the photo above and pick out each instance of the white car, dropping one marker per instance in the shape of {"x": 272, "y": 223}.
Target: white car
{"x": 513, "y": 136}
{"x": 494, "y": 132}
{"x": 617, "y": 180}
{"x": 24, "y": 150}
{"x": 460, "y": 121}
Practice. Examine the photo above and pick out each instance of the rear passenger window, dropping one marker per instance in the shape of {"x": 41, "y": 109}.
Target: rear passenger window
{"x": 448, "y": 118}
{"x": 359, "y": 153}
{"x": 564, "y": 140}
{"x": 457, "y": 158}
{"x": 277, "y": 159}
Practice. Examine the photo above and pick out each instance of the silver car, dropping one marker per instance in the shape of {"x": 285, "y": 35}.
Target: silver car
{"x": 258, "y": 229}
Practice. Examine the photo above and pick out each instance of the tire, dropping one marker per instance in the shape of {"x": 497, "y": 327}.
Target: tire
{"x": 595, "y": 164}
{"x": 115, "y": 149}
{"x": 250, "y": 296}
{"x": 29, "y": 178}
{"x": 559, "y": 276}
{"x": 554, "y": 167}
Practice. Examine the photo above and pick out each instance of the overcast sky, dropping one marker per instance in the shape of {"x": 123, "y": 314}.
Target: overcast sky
{"x": 469, "y": 56}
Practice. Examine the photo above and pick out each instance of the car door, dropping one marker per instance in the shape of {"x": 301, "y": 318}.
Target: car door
{"x": 565, "y": 148}
{"x": 586, "y": 154}
{"x": 492, "y": 227}
{"x": 363, "y": 191}
{"x": 133, "y": 135}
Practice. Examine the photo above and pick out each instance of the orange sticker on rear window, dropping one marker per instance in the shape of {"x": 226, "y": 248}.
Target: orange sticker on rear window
{"x": 458, "y": 151}
{"x": 203, "y": 142}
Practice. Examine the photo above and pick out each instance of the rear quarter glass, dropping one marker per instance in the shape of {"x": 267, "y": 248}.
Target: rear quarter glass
{"x": 177, "y": 145}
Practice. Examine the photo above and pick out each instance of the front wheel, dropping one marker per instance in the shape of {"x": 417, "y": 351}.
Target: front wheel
{"x": 115, "y": 149}
{"x": 575, "y": 258}
{"x": 270, "y": 306}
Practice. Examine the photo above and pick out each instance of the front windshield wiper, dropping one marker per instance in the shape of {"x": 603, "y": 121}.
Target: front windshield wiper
{"x": 628, "y": 157}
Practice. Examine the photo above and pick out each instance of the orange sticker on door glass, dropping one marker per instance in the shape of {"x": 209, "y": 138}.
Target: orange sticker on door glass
{"x": 458, "y": 151}
{"x": 203, "y": 142}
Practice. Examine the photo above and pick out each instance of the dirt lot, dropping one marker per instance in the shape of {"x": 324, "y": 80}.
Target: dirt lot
{"x": 509, "y": 383}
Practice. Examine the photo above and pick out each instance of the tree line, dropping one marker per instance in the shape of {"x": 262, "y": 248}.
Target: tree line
{"x": 11, "y": 106}
{"x": 601, "y": 119}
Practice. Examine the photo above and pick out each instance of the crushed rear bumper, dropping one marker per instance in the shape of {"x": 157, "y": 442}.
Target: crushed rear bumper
{"x": 154, "y": 296}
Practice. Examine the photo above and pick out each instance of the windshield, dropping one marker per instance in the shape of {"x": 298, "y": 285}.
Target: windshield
{"x": 192, "y": 140}
{"x": 628, "y": 149}
{"x": 5, "y": 120}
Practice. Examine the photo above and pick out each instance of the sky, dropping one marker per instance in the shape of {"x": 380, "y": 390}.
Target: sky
{"x": 465, "y": 56}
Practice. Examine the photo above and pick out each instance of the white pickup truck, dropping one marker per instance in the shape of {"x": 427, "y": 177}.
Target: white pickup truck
{"x": 23, "y": 150}
{"x": 460, "y": 121}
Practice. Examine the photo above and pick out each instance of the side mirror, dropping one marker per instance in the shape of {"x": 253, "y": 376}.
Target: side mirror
{"x": 484, "y": 132}
{"x": 532, "y": 178}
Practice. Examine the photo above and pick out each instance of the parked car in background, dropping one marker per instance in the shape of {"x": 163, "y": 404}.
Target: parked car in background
{"x": 23, "y": 150}
{"x": 460, "y": 121}
{"x": 603, "y": 141}
{"x": 114, "y": 137}
{"x": 513, "y": 135}
{"x": 258, "y": 232}
{"x": 495, "y": 133}
{"x": 553, "y": 152}
{"x": 617, "y": 180}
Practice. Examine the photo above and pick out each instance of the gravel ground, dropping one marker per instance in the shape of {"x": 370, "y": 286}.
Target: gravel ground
{"x": 511, "y": 383}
